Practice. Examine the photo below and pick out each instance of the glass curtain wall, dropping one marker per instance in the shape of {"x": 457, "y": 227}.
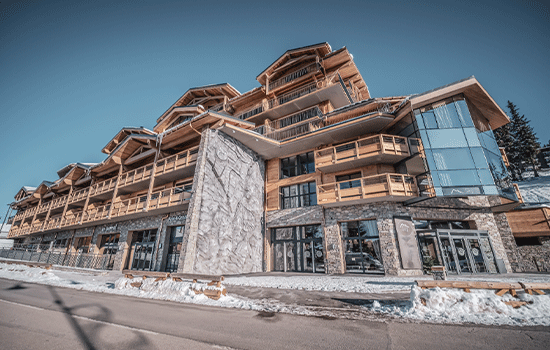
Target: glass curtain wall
{"x": 461, "y": 152}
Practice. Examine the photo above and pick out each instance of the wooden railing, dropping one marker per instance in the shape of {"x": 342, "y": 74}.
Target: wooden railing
{"x": 19, "y": 215}
{"x": 59, "y": 202}
{"x": 315, "y": 67}
{"x": 169, "y": 197}
{"x": 136, "y": 175}
{"x": 37, "y": 226}
{"x": 362, "y": 148}
{"x": 103, "y": 186}
{"x": 368, "y": 187}
{"x": 177, "y": 161}
{"x": 44, "y": 207}
{"x": 294, "y": 94}
{"x": 53, "y": 222}
{"x": 256, "y": 109}
{"x": 79, "y": 195}
{"x": 71, "y": 219}
{"x": 96, "y": 213}
{"x": 129, "y": 206}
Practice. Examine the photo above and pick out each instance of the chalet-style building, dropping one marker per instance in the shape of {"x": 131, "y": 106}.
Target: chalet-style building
{"x": 306, "y": 172}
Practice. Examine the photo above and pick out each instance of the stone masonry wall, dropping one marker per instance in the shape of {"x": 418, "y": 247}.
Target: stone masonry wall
{"x": 536, "y": 258}
{"x": 224, "y": 231}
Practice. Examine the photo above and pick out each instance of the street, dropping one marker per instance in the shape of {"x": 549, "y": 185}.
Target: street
{"x": 35, "y": 316}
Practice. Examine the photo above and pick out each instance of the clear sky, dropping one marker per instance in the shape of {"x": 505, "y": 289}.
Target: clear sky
{"x": 73, "y": 73}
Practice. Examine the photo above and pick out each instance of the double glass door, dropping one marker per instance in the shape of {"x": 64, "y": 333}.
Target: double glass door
{"x": 298, "y": 248}
{"x": 460, "y": 252}
{"x": 144, "y": 247}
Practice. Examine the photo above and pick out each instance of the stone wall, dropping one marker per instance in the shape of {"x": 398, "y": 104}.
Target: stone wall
{"x": 536, "y": 258}
{"x": 471, "y": 209}
{"x": 224, "y": 230}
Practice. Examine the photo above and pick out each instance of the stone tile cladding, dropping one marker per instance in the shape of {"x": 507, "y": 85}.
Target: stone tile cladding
{"x": 536, "y": 258}
{"x": 224, "y": 230}
{"x": 473, "y": 208}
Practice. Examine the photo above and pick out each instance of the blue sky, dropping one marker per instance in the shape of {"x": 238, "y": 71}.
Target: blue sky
{"x": 72, "y": 74}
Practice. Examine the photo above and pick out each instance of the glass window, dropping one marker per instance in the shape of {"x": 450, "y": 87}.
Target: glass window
{"x": 479, "y": 158}
{"x": 295, "y": 196}
{"x": 297, "y": 165}
{"x": 471, "y": 137}
{"x": 349, "y": 184}
{"x": 429, "y": 119}
{"x": 447, "y": 117}
{"x": 447, "y": 138}
{"x": 451, "y": 159}
{"x": 463, "y": 113}
{"x": 458, "y": 178}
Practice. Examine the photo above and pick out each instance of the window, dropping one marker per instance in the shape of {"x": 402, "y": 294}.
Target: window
{"x": 297, "y": 165}
{"x": 349, "y": 184}
{"x": 298, "y": 248}
{"x": 302, "y": 195}
{"x": 362, "y": 246}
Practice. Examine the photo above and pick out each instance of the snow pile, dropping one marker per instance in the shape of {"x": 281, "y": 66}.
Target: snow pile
{"x": 479, "y": 306}
{"x": 351, "y": 284}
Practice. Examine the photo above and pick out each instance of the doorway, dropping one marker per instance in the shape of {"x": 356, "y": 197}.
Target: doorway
{"x": 298, "y": 248}
{"x": 143, "y": 247}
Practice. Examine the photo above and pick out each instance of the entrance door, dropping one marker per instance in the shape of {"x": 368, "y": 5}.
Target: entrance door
{"x": 174, "y": 248}
{"x": 362, "y": 246}
{"x": 143, "y": 250}
{"x": 462, "y": 255}
{"x": 298, "y": 248}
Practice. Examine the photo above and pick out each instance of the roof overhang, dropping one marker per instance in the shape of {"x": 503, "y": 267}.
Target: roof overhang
{"x": 348, "y": 129}
{"x": 474, "y": 93}
{"x": 121, "y": 135}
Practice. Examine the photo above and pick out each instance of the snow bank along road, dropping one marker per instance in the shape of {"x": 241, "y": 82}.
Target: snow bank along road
{"x": 36, "y": 316}
{"x": 439, "y": 306}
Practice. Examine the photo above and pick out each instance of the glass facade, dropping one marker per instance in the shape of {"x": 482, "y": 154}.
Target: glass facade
{"x": 461, "y": 151}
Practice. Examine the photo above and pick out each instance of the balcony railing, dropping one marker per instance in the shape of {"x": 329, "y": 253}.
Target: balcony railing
{"x": 362, "y": 148}
{"x": 59, "y": 202}
{"x": 71, "y": 219}
{"x": 256, "y": 109}
{"x": 44, "y": 207}
{"x": 37, "y": 226}
{"x": 129, "y": 206}
{"x": 96, "y": 213}
{"x": 383, "y": 185}
{"x": 103, "y": 187}
{"x": 169, "y": 197}
{"x": 53, "y": 222}
{"x": 136, "y": 175}
{"x": 19, "y": 215}
{"x": 315, "y": 67}
{"x": 177, "y": 161}
{"x": 294, "y": 94}
{"x": 79, "y": 195}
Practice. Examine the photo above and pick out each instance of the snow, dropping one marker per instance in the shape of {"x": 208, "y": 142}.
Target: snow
{"x": 535, "y": 190}
{"x": 430, "y": 305}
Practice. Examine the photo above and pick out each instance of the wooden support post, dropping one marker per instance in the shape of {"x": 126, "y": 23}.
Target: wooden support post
{"x": 152, "y": 179}
{"x": 36, "y": 212}
{"x": 67, "y": 203}
{"x": 85, "y": 208}
{"x": 115, "y": 191}
{"x": 390, "y": 189}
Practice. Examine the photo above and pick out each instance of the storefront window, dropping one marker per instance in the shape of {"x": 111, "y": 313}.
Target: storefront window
{"x": 362, "y": 246}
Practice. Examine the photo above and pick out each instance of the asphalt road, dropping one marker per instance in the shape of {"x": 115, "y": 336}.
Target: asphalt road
{"x": 34, "y": 316}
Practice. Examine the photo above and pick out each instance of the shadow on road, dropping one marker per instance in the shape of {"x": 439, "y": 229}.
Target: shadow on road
{"x": 89, "y": 333}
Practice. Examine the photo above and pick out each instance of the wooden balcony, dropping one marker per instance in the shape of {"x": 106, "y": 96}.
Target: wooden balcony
{"x": 129, "y": 206}
{"x": 71, "y": 219}
{"x": 103, "y": 187}
{"x": 96, "y": 213}
{"x": 383, "y": 187}
{"x": 79, "y": 195}
{"x": 53, "y": 222}
{"x": 169, "y": 197}
{"x": 135, "y": 176}
{"x": 44, "y": 207}
{"x": 20, "y": 215}
{"x": 376, "y": 149}
{"x": 294, "y": 77}
{"x": 37, "y": 226}
{"x": 59, "y": 202}
{"x": 177, "y": 162}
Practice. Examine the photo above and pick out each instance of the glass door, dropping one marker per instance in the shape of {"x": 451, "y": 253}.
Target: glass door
{"x": 462, "y": 255}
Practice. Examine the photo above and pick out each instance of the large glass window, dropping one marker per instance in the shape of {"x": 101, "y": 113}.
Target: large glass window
{"x": 295, "y": 196}
{"x": 461, "y": 152}
{"x": 362, "y": 246}
{"x": 297, "y": 165}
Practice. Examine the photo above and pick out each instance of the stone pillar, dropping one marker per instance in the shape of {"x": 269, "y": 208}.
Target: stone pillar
{"x": 224, "y": 231}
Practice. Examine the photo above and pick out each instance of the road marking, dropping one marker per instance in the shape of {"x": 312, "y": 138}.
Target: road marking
{"x": 83, "y": 318}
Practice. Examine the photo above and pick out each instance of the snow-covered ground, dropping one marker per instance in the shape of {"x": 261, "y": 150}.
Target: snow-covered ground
{"x": 434, "y": 305}
{"x": 535, "y": 190}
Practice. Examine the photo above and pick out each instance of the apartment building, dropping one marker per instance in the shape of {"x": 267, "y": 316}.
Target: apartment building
{"x": 306, "y": 173}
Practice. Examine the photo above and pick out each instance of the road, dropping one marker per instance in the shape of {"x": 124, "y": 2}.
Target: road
{"x": 34, "y": 316}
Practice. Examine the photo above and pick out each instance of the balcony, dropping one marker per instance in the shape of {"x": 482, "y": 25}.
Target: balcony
{"x": 295, "y": 76}
{"x": 96, "y": 213}
{"x": 79, "y": 195}
{"x": 376, "y": 149}
{"x": 177, "y": 166}
{"x": 71, "y": 218}
{"x": 327, "y": 89}
{"x": 170, "y": 197}
{"x": 103, "y": 187}
{"x": 37, "y": 226}
{"x": 383, "y": 187}
{"x": 52, "y": 223}
{"x": 59, "y": 202}
{"x": 19, "y": 215}
{"x": 135, "y": 176}
{"x": 44, "y": 207}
